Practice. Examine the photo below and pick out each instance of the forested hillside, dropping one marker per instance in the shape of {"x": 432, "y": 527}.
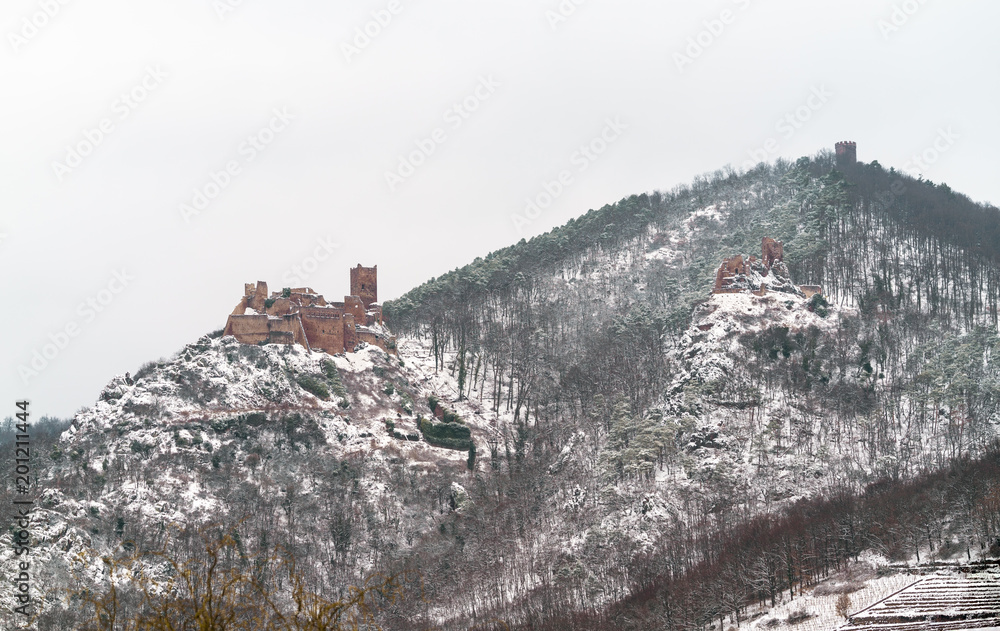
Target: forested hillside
{"x": 577, "y": 318}
{"x": 642, "y": 412}
{"x": 573, "y": 432}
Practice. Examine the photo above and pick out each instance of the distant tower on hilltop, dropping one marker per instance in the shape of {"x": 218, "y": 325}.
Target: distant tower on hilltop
{"x": 364, "y": 284}
{"x": 847, "y": 153}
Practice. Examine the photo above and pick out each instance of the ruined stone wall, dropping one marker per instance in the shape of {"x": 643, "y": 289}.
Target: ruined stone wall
{"x": 290, "y": 323}
{"x": 241, "y": 307}
{"x": 730, "y": 268}
{"x": 248, "y": 329}
{"x": 374, "y": 315}
{"x": 307, "y": 299}
{"x": 325, "y": 332}
{"x": 280, "y": 307}
{"x": 350, "y": 333}
{"x": 354, "y": 306}
{"x": 771, "y": 251}
{"x": 259, "y": 296}
{"x": 281, "y": 337}
{"x": 254, "y": 329}
{"x": 321, "y": 312}
{"x": 370, "y": 337}
{"x": 364, "y": 284}
{"x": 810, "y": 290}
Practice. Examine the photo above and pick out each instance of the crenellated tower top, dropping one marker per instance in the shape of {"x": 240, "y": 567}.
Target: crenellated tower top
{"x": 847, "y": 153}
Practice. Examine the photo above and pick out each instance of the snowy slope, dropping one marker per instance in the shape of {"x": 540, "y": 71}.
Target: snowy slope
{"x": 166, "y": 452}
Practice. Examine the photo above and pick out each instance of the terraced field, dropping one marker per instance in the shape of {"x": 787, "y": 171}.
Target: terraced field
{"x": 940, "y": 602}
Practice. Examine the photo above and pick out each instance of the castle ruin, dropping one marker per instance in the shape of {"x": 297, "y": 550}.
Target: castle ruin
{"x": 771, "y": 251}
{"x": 757, "y": 276}
{"x": 302, "y": 316}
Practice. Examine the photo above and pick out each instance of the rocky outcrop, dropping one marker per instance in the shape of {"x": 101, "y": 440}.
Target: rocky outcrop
{"x": 759, "y": 276}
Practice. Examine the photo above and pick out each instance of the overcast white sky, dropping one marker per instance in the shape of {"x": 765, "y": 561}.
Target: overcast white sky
{"x": 86, "y": 210}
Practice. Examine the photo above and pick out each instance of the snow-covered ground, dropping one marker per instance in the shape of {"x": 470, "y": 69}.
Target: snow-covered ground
{"x": 179, "y": 414}
{"x": 889, "y": 599}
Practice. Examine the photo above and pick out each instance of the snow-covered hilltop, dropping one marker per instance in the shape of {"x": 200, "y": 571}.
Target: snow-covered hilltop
{"x": 224, "y": 430}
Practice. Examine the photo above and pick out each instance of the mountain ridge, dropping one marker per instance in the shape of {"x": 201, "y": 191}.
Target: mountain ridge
{"x": 616, "y": 406}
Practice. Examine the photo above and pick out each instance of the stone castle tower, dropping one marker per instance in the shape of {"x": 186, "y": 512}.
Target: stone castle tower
{"x": 364, "y": 284}
{"x": 847, "y": 153}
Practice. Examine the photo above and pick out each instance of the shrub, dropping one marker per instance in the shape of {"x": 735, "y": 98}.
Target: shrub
{"x": 269, "y": 302}
{"x": 220, "y": 425}
{"x": 799, "y": 616}
{"x": 344, "y": 403}
{"x": 449, "y": 435}
{"x": 818, "y": 305}
{"x": 333, "y": 378}
{"x": 844, "y": 605}
{"x": 179, "y": 440}
{"x": 433, "y": 402}
{"x": 389, "y": 389}
{"x": 830, "y": 588}
{"x": 144, "y": 370}
{"x": 143, "y": 449}
{"x": 313, "y": 385}
{"x": 286, "y": 292}
{"x": 255, "y": 419}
